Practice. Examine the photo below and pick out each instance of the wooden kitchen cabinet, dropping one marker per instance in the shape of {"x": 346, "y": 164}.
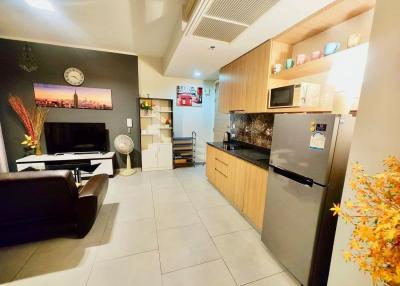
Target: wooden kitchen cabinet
{"x": 210, "y": 166}
{"x": 256, "y": 78}
{"x": 242, "y": 183}
{"x": 224, "y": 168}
{"x": 239, "y": 184}
{"x": 244, "y": 82}
{"x": 254, "y": 196}
{"x": 225, "y": 88}
{"x": 238, "y": 94}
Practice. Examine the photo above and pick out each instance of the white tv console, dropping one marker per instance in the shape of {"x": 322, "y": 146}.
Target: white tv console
{"x": 39, "y": 162}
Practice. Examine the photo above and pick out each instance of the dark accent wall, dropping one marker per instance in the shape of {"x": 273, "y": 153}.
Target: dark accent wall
{"x": 254, "y": 128}
{"x": 117, "y": 72}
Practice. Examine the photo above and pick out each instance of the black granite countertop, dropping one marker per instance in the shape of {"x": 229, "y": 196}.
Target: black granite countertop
{"x": 254, "y": 155}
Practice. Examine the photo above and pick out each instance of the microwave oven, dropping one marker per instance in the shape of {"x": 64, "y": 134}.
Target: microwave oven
{"x": 297, "y": 95}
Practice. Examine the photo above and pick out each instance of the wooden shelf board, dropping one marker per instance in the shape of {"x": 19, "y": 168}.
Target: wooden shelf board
{"x": 299, "y": 110}
{"x": 191, "y": 164}
{"x": 309, "y": 68}
{"x": 330, "y": 16}
{"x": 312, "y": 67}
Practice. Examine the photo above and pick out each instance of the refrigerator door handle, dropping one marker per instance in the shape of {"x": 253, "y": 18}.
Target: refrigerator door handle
{"x": 294, "y": 176}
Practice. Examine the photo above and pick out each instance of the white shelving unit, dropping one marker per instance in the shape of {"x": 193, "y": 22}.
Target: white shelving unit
{"x": 156, "y": 134}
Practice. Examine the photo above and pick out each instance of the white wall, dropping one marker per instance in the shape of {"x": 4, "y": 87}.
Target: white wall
{"x": 377, "y": 132}
{"x": 186, "y": 119}
{"x": 222, "y": 120}
{"x": 3, "y": 156}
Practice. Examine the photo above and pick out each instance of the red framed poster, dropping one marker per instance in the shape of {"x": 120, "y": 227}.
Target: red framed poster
{"x": 189, "y": 96}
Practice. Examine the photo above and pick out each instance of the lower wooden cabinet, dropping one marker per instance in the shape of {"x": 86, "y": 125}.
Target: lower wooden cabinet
{"x": 242, "y": 183}
{"x": 239, "y": 184}
{"x": 210, "y": 166}
{"x": 254, "y": 196}
{"x": 224, "y": 167}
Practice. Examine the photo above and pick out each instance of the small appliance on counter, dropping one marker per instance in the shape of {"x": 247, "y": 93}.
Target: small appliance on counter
{"x": 227, "y": 137}
{"x": 308, "y": 162}
{"x": 304, "y": 94}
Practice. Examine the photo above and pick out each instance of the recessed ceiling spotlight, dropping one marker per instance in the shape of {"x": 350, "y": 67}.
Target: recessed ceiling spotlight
{"x": 211, "y": 48}
{"x": 41, "y": 4}
{"x": 197, "y": 73}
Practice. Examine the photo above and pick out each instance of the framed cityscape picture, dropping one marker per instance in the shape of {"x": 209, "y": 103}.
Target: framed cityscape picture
{"x": 62, "y": 96}
{"x": 189, "y": 96}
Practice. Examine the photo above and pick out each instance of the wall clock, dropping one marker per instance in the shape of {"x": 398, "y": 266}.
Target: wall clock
{"x": 74, "y": 76}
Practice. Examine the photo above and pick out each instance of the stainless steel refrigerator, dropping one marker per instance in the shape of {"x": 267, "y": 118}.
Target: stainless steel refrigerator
{"x": 308, "y": 161}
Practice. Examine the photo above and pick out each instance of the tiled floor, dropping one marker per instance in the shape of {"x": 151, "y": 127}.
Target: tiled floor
{"x": 168, "y": 228}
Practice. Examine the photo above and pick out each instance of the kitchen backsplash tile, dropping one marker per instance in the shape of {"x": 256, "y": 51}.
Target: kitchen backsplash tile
{"x": 254, "y": 128}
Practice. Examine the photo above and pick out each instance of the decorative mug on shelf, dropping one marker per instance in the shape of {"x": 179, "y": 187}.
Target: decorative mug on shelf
{"x": 331, "y": 48}
{"x": 289, "y": 63}
{"x": 276, "y": 68}
{"x": 353, "y": 40}
{"x": 315, "y": 55}
{"x": 301, "y": 59}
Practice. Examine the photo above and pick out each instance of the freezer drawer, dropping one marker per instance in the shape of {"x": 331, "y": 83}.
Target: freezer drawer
{"x": 291, "y": 219}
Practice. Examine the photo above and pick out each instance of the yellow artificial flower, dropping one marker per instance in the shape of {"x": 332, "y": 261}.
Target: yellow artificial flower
{"x": 29, "y": 142}
{"x": 355, "y": 245}
{"x": 390, "y": 234}
{"x": 335, "y": 209}
{"x": 349, "y": 204}
{"x": 347, "y": 256}
{"x": 375, "y": 213}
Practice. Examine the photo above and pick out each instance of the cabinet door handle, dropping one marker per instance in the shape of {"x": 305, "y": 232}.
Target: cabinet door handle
{"x": 221, "y": 162}
{"x": 220, "y": 172}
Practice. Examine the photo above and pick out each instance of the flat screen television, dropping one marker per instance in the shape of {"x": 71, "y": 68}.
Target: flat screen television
{"x": 63, "y": 137}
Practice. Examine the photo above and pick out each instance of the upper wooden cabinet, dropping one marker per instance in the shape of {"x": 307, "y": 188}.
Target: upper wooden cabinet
{"x": 224, "y": 89}
{"x": 256, "y": 78}
{"x": 244, "y": 82}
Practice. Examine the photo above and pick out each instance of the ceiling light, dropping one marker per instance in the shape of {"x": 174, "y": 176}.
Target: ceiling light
{"x": 41, "y": 4}
{"x": 197, "y": 73}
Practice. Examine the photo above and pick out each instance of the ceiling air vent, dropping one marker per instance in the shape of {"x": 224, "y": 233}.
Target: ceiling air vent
{"x": 225, "y": 20}
{"x": 242, "y": 11}
{"x": 218, "y": 30}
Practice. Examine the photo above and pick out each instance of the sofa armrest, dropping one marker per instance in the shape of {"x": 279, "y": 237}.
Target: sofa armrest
{"x": 96, "y": 186}
{"x": 91, "y": 197}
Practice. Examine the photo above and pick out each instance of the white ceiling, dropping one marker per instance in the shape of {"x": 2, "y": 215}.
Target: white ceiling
{"x": 144, "y": 27}
{"x": 141, "y": 27}
{"x": 193, "y": 56}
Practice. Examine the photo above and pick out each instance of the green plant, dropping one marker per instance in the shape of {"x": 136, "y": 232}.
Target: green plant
{"x": 145, "y": 105}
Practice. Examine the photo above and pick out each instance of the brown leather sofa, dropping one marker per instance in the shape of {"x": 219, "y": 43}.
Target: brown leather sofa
{"x": 44, "y": 204}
